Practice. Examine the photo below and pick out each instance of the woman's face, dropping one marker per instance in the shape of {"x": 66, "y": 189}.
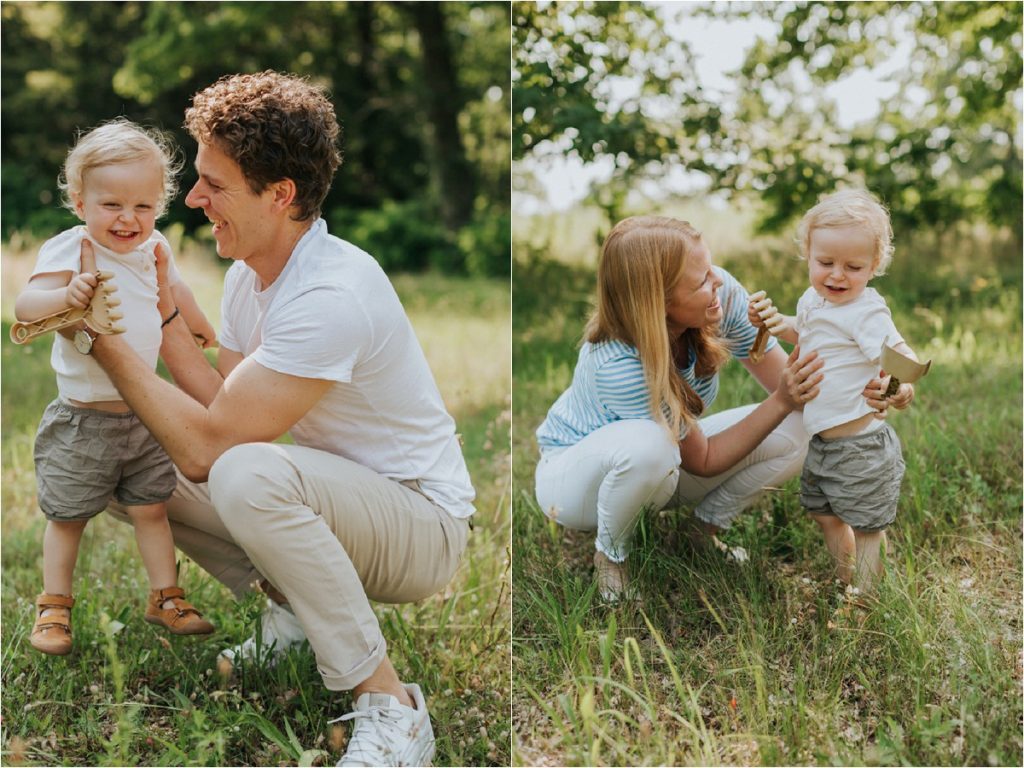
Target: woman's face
{"x": 693, "y": 302}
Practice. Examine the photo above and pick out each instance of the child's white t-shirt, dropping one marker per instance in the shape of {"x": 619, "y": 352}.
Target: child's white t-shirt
{"x": 332, "y": 314}
{"x": 79, "y": 377}
{"x": 849, "y": 338}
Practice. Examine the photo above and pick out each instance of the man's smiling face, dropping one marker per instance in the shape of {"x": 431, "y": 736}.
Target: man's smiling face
{"x": 237, "y": 213}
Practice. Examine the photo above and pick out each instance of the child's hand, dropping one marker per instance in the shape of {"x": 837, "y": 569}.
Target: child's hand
{"x": 205, "y": 335}
{"x": 754, "y": 303}
{"x": 762, "y": 313}
{"x": 80, "y": 290}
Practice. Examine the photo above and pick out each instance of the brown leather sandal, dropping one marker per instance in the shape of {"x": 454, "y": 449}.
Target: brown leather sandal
{"x": 182, "y": 619}
{"x": 52, "y": 633}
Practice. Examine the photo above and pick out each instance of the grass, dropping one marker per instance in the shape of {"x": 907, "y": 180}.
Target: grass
{"x": 765, "y": 663}
{"x": 131, "y": 695}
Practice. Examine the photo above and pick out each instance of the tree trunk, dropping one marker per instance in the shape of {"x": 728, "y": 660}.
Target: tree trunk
{"x": 453, "y": 175}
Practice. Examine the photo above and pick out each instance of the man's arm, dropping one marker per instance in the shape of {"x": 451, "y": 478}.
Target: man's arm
{"x": 253, "y": 404}
{"x": 197, "y": 322}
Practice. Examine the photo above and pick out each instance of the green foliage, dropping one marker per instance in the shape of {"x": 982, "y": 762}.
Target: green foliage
{"x": 69, "y": 66}
{"x": 766, "y": 664}
{"x": 408, "y": 237}
{"x": 945, "y": 148}
{"x": 485, "y": 244}
{"x": 567, "y": 58}
{"x": 400, "y": 236}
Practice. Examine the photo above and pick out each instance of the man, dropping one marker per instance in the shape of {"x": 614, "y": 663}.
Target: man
{"x": 373, "y": 501}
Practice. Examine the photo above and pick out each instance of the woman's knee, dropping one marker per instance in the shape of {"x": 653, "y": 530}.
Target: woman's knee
{"x": 645, "y": 446}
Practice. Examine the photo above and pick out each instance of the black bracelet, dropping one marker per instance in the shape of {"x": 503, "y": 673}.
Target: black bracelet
{"x": 174, "y": 314}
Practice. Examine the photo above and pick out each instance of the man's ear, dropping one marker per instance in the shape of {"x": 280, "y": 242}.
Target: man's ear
{"x": 283, "y": 194}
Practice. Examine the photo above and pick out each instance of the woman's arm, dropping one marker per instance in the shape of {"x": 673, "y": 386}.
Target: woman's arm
{"x": 769, "y": 371}
{"x": 706, "y": 457}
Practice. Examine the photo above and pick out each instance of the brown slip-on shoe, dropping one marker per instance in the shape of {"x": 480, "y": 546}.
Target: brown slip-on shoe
{"x": 182, "y": 619}
{"x": 613, "y": 583}
{"x": 52, "y": 633}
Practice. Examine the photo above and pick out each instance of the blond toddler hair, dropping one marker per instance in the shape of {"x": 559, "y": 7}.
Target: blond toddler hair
{"x": 113, "y": 143}
{"x": 850, "y": 208}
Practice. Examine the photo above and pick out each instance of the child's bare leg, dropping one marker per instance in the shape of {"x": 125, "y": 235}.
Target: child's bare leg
{"x": 841, "y": 544}
{"x": 60, "y": 552}
{"x": 869, "y": 561}
{"x": 156, "y": 545}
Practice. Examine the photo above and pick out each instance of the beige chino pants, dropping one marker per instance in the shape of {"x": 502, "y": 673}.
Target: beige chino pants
{"x": 330, "y": 534}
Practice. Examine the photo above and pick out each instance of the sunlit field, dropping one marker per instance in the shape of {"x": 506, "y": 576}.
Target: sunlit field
{"x": 132, "y": 695}
{"x": 767, "y": 663}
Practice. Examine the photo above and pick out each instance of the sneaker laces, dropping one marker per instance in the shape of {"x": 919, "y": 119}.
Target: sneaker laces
{"x": 378, "y": 729}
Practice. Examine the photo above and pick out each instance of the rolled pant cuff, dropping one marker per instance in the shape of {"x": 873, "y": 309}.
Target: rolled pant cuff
{"x": 349, "y": 680}
{"x": 721, "y": 520}
{"x": 618, "y": 555}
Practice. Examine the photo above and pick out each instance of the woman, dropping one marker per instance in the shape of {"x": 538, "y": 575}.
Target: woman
{"x": 666, "y": 322}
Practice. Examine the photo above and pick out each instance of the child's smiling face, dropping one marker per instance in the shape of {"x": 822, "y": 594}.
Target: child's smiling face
{"x": 119, "y": 203}
{"x": 841, "y": 262}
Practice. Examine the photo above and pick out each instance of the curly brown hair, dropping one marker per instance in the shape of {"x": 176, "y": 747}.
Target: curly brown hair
{"x": 275, "y": 126}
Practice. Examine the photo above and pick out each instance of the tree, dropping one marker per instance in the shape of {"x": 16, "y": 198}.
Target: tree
{"x": 421, "y": 92}
{"x": 945, "y": 148}
{"x": 605, "y": 80}
{"x": 443, "y": 98}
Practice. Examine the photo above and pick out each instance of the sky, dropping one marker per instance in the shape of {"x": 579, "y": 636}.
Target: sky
{"x": 718, "y": 47}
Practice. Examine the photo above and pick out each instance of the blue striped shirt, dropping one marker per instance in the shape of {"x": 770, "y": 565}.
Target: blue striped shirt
{"x": 608, "y": 384}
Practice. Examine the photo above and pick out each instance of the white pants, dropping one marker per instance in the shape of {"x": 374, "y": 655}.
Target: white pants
{"x": 608, "y": 478}
{"x": 328, "y": 533}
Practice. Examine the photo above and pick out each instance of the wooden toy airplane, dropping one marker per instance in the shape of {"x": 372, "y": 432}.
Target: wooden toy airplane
{"x": 901, "y": 368}
{"x": 100, "y": 315}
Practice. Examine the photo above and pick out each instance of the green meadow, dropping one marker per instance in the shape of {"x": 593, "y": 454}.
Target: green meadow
{"x": 766, "y": 662}
{"x": 131, "y": 695}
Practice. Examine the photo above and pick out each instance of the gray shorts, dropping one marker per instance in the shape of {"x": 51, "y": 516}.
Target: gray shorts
{"x": 85, "y": 457}
{"x": 855, "y": 478}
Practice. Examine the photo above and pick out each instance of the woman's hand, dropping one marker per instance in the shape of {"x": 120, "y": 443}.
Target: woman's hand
{"x": 874, "y": 393}
{"x": 800, "y": 379}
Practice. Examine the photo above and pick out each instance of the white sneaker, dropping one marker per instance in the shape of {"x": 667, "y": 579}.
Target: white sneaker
{"x": 280, "y": 630}
{"x": 388, "y": 733}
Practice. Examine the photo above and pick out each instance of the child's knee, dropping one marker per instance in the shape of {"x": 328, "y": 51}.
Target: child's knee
{"x": 147, "y": 513}
{"x": 828, "y": 523}
{"x": 68, "y": 526}
{"x": 869, "y": 538}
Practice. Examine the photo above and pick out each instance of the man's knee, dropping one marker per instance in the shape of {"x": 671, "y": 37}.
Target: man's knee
{"x": 245, "y": 477}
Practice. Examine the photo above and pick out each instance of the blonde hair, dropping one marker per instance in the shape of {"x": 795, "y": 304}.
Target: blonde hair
{"x": 850, "y": 208}
{"x": 113, "y": 143}
{"x": 641, "y": 262}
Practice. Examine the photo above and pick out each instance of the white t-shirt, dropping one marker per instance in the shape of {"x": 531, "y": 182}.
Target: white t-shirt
{"x": 333, "y": 314}
{"x": 78, "y": 376}
{"x": 849, "y": 338}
